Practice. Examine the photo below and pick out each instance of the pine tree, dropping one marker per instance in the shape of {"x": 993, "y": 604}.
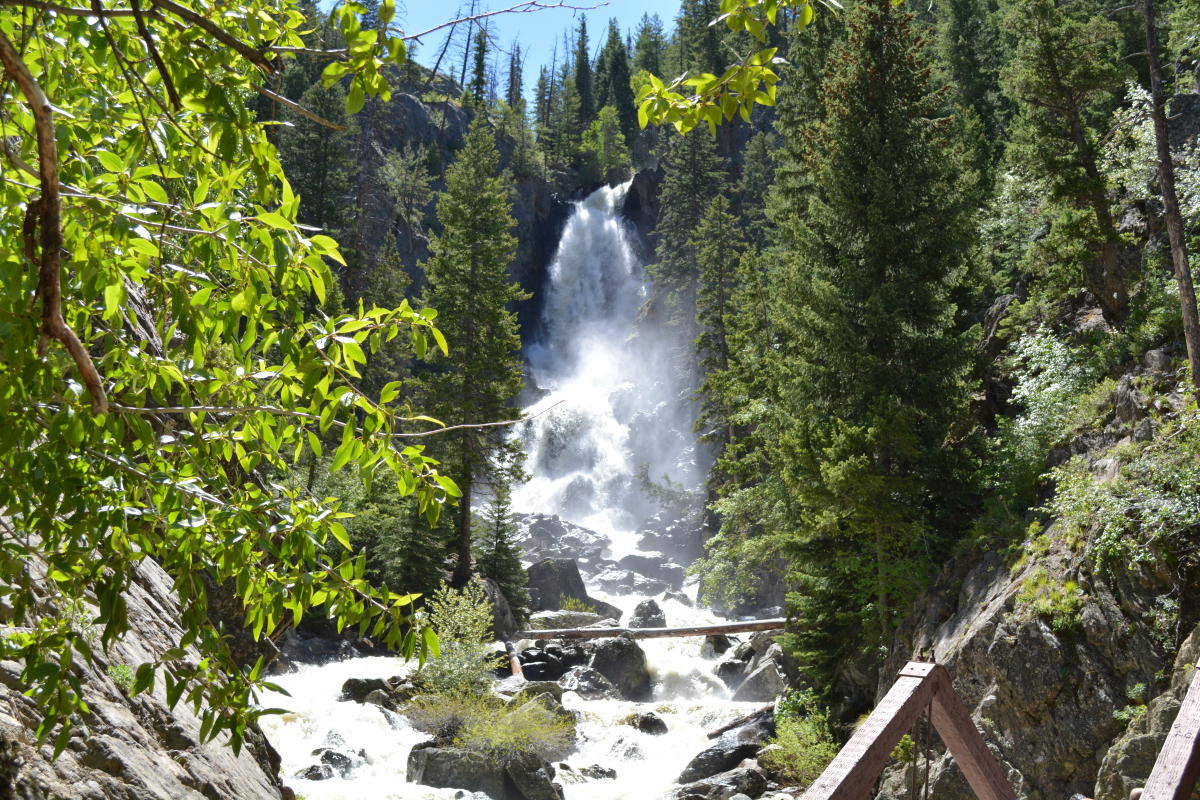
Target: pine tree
{"x": 871, "y": 368}
{"x": 514, "y": 93}
{"x": 468, "y": 286}
{"x": 318, "y": 160}
{"x": 603, "y": 145}
{"x": 693, "y": 175}
{"x": 1064, "y": 77}
{"x": 498, "y": 554}
{"x": 650, "y": 44}
{"x": 718, "y": 245}
{"x": 698, "y": 43}
{"x": 612, "y": 82}
{"x": 477, "y": 90}
{"x": 582, "y": 75}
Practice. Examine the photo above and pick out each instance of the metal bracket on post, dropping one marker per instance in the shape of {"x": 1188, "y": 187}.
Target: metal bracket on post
{"x": 852, "y": 774}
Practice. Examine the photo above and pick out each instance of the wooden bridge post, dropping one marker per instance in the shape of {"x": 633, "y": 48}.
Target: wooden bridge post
{"x": 1178, "y": 764}
{"x": 852, "y": 774}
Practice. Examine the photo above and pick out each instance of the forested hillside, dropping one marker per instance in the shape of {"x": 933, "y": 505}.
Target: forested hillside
{"x": 892, "y": 333}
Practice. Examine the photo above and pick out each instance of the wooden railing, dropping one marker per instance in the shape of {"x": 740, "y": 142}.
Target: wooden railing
{"x": 1178, "y": 764}
{"x": 920, "y": 686}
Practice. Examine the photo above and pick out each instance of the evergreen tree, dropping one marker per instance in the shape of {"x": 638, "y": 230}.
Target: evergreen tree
{"x": 514, "y": 93}
{"x": 477, "y": 90}
{"x": 406, "y": 177}
{"x": 1064, "y": 78}
{"x": 718, "y": 245}
{"x": 317, "y": 159}
{"x": 870, "y": 368}
{"x": 582, "y": 75}
{"x": 693, "y": 175}
{"x": 544, "y": 99}
{"x": 754, "y": 185}
{"x": 498, "y": 554}
{"x": 970, "y": 56}
{"x": 468, "y": 285}
{"x": 698, "y": 44}
{"x": 603, "y": 145}
{"x": 612, "y": 82}
{"x": 650, "y": 45}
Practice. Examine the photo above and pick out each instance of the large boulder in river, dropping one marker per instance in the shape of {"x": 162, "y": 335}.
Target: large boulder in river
{"x": 647, "y": 614}
{"x": 623, "y": 662}
{"x": 589, "y": 684}
{"x": 553, "y": 579}
{"x": 741, "y": 782}
{"x": 531, "y": 777}
{"x": 763, "y": 684}
{"x": 742, "y": 739}
{"x": 456, "y": 768}
{"x": 725, "y": 754}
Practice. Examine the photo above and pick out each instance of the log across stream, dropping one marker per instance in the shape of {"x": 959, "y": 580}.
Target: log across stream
{"x": 655, "y": 633}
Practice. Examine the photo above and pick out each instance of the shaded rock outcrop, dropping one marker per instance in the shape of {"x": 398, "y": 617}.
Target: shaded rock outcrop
{"x": 1042, "y": 686}
{"x": 1128, "y": 763}
{"x": 132, "y": 748}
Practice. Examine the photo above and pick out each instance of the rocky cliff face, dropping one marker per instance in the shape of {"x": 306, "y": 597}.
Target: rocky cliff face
{"x": 438, "y": 127}
{"x": 1054, "y": 656}
{"x": 129, "y": 748}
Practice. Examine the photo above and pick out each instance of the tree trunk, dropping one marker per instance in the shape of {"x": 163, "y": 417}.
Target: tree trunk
{"x": 1166, "y": 180}
{"x": 463, "y": 569}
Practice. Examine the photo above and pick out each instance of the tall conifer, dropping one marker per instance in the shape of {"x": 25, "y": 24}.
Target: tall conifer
{"x": 469, "y": 286}
{"x": 871, "y": 367}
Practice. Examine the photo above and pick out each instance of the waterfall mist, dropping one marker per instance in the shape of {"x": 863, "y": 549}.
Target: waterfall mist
{"x": 620, "y": 403}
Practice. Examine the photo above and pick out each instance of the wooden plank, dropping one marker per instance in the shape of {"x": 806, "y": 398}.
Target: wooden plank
{"x": 852, "y": 773}
{"x": 654, "y": 633}
{"x": 954, "y": 724}
{"x": 1178, "y": 764}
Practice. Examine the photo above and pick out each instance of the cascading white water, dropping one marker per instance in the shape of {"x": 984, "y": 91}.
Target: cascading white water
{"x": 613, "y": 403}
{"x": 612, "y": 408}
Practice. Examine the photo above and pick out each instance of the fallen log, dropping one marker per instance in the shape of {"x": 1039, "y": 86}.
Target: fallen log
{"x": 654, "y": 633}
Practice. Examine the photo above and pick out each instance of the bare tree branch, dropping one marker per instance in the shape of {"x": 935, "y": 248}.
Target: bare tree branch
{"x": 299, "y": 109}
{"x": 72, "y": 11}
{"x": 520, "y": 8}
{"x": 47, "y": 209}
{"x": 286, "y": 412}
{"x": 153, "y": 50}
{"x": 217, "y": 32}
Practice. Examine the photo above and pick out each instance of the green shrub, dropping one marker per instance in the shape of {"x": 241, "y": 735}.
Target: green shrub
{"x": 1149, "y": 513}
{"x": 1058, "y": 604}
{"x": 805, "y": 742}
{"x": 574, "y": 604}
{"x": 526, "y": 728}
{"x": 485, "y": 724}
{"x": 463, "y": 623}
{"x": 1137, "y": 704}
{"x": 122, "y": 676}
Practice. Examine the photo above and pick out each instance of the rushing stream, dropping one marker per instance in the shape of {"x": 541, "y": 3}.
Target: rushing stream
{"x": 608, "y": 412}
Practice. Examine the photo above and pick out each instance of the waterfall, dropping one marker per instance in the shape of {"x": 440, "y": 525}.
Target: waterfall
{"x": 607, "y": 406}
{"x": 613, "y": 405}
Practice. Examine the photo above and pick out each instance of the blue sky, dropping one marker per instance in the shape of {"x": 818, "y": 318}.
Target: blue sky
{"x": 537, "y": 31}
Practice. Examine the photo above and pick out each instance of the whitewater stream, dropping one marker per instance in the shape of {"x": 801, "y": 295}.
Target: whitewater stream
{"x": 607, "y": 412}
